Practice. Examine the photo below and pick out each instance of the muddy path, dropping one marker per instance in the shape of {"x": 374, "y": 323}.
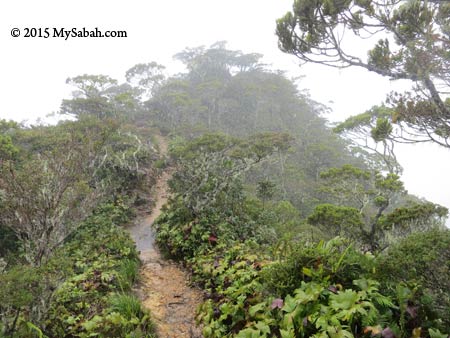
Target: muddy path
{"x": 163, "y": 287}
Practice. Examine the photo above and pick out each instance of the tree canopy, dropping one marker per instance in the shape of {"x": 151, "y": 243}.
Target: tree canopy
{"x": 412, "y": 43}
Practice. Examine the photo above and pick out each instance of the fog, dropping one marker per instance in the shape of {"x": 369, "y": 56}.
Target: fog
{"x": 34, "y": 70}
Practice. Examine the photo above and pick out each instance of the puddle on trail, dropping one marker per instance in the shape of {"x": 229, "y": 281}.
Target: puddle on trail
{"x": 163, "y": 287}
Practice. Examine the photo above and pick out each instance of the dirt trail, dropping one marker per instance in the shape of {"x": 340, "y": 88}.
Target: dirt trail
{"x": 163, "y": 286}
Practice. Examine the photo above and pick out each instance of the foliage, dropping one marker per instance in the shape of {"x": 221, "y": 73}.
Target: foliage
{"x": 41, "y": 200}
{"x": 337, "y": 220}
{"x": 9, "y": 245}
{"x": 371, "y": 131}
{"x": 413, "y": 43}
{"x": 292, "y": 290}
{"x": 331, "y": 295}
{"x": 102, "y": 97}
{"x": 424, "y": 259}
{"x": 64, "y": 273}
{"x": 318, "y": 311}
{"x": 181, "y": 235}
{"x": 265, "y": 190}
{"x": 209, "y": 202}
{"x": 327, "y": 289}
{"x": 414, "y": 217}
{"x": 75, "y": 268}
{"x": 59, "y": 174}
{"x": 227, "y": 91}
{"x": 333, "y": 261}
{"x": 369, "y": 193}
{"x": 231, "y": 278}
{"x": 20, "y": 288}
{"x": 7, "y": 149}
{"x": 286, "y": 212}
{"x": 363, "y": 208}
{"x": 91, "y": 297}
{"x": 146, "y": 76}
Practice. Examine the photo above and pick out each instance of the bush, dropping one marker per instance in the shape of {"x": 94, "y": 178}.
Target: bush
{"x": 83, "y": 290}
{"x": 126, "y": 305}
{"x": 182, "y": 236}
{"x": 239, "y": 304}
{"x": 9, "y": 245}
{"x": 422, "y": 259}
{"x": 335, "y": 261}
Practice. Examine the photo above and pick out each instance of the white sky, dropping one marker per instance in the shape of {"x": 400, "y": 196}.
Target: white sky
{"x": 33, "y": 70}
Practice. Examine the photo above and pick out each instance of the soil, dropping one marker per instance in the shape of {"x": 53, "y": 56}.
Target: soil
{"x": 163, "y": 285}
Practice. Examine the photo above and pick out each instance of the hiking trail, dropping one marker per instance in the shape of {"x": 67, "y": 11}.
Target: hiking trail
{"x": 163, "y": 284}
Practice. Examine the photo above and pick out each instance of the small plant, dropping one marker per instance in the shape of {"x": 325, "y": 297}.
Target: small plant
{"x": 335, "y": 261}
{"x": 93, "y": 299}
{"x": 128, "y": 273}
{"x": 127, "y": 305}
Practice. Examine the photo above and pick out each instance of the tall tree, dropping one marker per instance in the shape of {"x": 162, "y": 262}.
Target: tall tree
{"x": 147, "y": 77}
{"x": 414, "y": 40}
{"x": 232, "y": 92}
{"x": 100, "y": 96}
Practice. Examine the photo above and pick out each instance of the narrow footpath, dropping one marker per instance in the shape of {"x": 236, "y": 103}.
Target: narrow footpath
{"x": 163, "y": 287}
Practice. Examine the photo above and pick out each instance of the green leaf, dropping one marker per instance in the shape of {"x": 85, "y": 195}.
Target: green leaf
{"x": 255, "y": 308}
{"x": 33, "y": 327}
{"x": 334, "y": 332}
{"x": 436, "y": 334}
{"x": 207, "y": 331}
{"x": 72, "y": 320}
{"x": 249, "y": 333}
{"x": 115, "y": 318}
{"x": 344, "y": 300}
{"x": 263, "y": 327}
{"x": 92, "y": 324}
{"x": 289, "y": 304}
{"x": 307, "y": 271}
{"x": 287, "y": 333}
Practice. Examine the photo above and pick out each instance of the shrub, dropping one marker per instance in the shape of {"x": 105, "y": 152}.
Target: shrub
{"x": 103, "y": 264}
{"x": 422, "y": 259}
{"x": 335, "y": 261}
{"x": 127, "y": 305}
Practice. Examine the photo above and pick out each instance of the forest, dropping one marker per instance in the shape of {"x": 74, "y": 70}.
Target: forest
{"x": 288, "y": 224}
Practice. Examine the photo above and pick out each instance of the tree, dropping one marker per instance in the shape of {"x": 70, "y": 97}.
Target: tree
{"x": 414, "y": 217}
{"x": 265, "y": 190}
{"x": 174, "y": 105}
{"x": 210, "y": 72}
{"x": 208, "y": 202}
{"x": 413, "y": 45}
{"x": 100, "y": 96}
{"x": 337, "y": 220}
{"x": 372, "y": 131}
{"x": 211, "y": 169}
{"x": 221, "y": 92}
{"x": 43, "y": 199}
{"x": 55, "y": 176}
{"x": 147, "y": 77}
{"x": 91, "y": 85}
{"x": 362, "y": 208}
{"x": 351, "y": 186}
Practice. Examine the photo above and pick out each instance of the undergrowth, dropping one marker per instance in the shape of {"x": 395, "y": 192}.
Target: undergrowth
{"x": 325, "y": 289}
{"x": 89, "y": 282}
